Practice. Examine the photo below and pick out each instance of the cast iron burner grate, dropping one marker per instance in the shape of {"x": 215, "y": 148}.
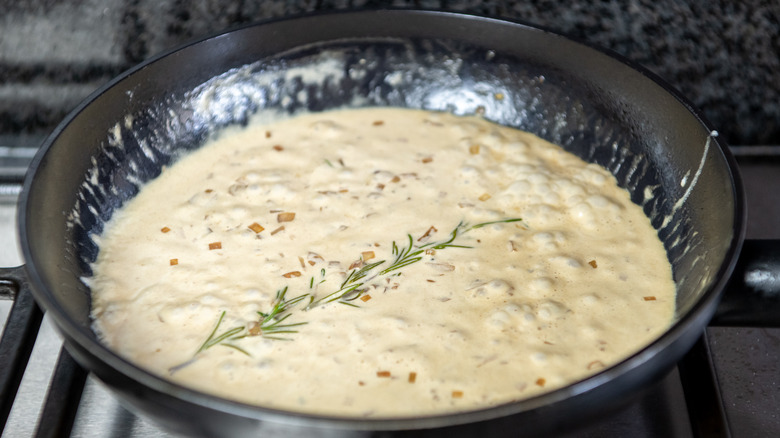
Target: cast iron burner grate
{"x": 67, "y": 383}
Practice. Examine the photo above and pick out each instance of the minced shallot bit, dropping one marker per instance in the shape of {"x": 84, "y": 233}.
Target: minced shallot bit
{"x": 596, "y": 364}
{"x": 428, "y": 233}
{"x": 215, "y": 245}
{"x": 383, "y": 373}
{"x": 174, "y": 262}
{"x": 254, "y": 328}
{"x": 285, "y": 217}
{"x": 314, "y": 258}
{"x": 365, "y": 298}
{"x": 292, "y": 274}
{"x": 257, "y": 228}
{"x": 412, "y": 377}
{"x": 540, "y": 381}
{"x": 457, "y": 394}
{"x": 650, "y": 298}
{"x": 367, "y": 255}
{"x": 443, "y": 267}
{"x": 485, "y": 197}
{"x": 165, "y": 229}
{"x": 593, "y": 264}
{"x": 277, "y": 230}
{"x": 474, "y": 149}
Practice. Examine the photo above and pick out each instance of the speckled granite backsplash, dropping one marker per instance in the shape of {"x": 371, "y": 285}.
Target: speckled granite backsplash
{"x": 723, "y": 55}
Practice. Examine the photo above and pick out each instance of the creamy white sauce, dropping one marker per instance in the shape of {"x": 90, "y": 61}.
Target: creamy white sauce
{"x": 526, "y": 307}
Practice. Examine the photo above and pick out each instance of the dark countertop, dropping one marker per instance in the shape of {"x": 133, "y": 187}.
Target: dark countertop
{"x": 722, "y": 55}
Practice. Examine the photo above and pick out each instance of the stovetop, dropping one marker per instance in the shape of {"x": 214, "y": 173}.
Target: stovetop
{"x": 729, "y": 385}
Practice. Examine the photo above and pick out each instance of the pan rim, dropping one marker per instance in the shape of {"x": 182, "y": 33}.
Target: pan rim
{"x": 701, "y": 310}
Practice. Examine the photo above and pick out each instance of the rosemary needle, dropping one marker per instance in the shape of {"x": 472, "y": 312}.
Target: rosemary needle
{"x": 224, "y": 338}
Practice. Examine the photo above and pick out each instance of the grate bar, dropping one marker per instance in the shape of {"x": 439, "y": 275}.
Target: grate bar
{"x": 18, "y": 338}
{"x": 62, "y": 399}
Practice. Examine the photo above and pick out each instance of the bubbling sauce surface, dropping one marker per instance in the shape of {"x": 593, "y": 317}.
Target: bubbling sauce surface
{"x": 189, "y": 270}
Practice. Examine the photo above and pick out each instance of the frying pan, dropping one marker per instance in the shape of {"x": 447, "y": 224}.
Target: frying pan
{"x": 592, "y": 103}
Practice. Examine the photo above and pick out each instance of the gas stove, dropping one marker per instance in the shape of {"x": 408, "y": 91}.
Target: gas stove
{"x": 728, "y": 385}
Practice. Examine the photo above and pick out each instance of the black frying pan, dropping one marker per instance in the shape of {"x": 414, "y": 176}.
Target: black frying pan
{"x": 590, "y": 102}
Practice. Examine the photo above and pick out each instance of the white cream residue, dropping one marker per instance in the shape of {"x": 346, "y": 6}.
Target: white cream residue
{"x": 513, "y": 310}
{"x": 680, "y": 202}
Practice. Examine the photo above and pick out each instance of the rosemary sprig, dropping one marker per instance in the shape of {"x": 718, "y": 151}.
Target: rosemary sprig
{"x": 271, "y": 324}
